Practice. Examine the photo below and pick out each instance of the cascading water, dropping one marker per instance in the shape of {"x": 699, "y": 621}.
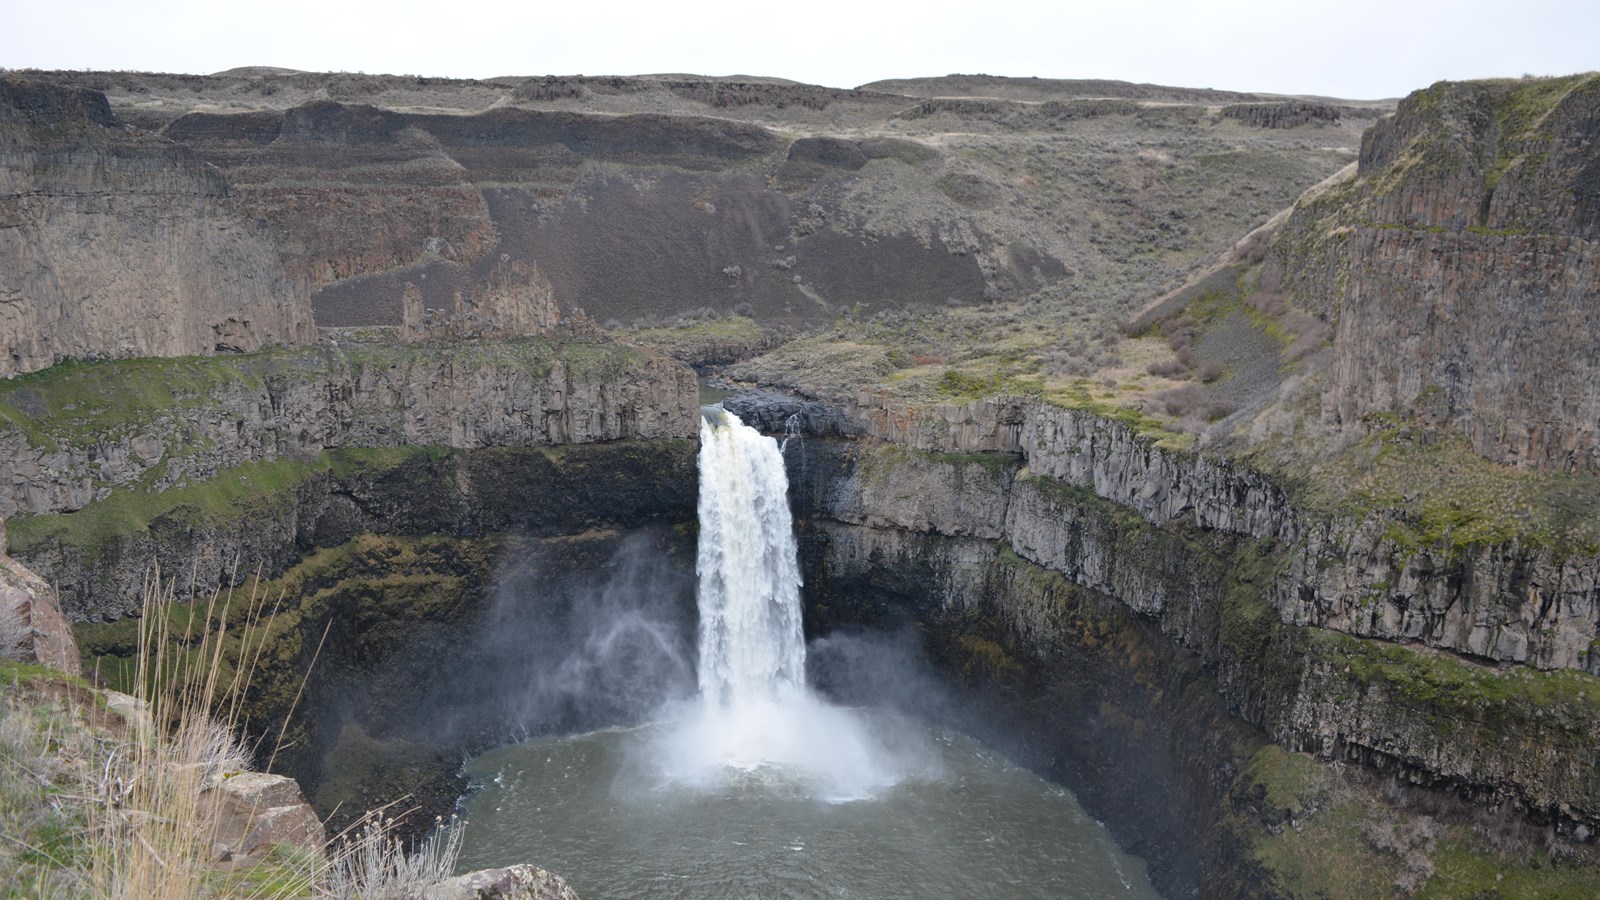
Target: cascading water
{"x": 752, "y": 650}
{"x": 755, "y": 716}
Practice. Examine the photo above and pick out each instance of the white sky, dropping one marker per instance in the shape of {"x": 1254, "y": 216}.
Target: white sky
{"x": 1354, "y": 49}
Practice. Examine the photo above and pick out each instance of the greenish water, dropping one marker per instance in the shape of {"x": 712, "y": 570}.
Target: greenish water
{"x": 602, "y": 811}
{"x": 710, "y": 393}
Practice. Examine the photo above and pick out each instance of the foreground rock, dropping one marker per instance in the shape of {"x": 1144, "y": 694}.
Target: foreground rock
{"x": 32, "y": 628}
{"x": 519, "y": 882}
{"x": 255, "y": 811}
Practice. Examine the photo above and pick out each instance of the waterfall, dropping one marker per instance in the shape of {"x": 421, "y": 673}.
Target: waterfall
{"x": 755, "y": 718}
{"x": 751, "y": 646}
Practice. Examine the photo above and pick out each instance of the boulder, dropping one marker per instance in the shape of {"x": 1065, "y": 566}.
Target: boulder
{"x": 518, "y": 882}
{"x": 32, "y": 628}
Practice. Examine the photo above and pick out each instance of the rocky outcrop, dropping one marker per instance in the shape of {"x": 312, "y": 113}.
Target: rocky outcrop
{"x": 256, "y": 811}
{"x": 115, "y": 243}
{"x": 1040, "y": 89}
{"x": 519, "y": 882}
{"x": 777, "y": 413}
{"x": 32, "y": 628}
{"x": 211, "y": 536}
{"x": 1460, "y": 268}
{"x": 1221, "y": 563}
{"x": 893, "y": 533}
{"x": 1290, "y": 114}
{"x": 180, "y": 423}
{"x": 516, "y": 300}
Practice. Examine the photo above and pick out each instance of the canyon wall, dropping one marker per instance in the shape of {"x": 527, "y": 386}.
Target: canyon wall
{"x": 1459, "y": 269}
{"x": 117, "y": 243}
{"x": 215, "y": 469}
{"x": 1114, "y": 594}
{"x": 156, "y": 424}
{"x": 650, "y": 197}
{"x": 1507, "y": 602}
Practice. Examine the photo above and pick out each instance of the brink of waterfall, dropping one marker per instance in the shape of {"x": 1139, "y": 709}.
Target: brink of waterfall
{"x": 755, "y": 720}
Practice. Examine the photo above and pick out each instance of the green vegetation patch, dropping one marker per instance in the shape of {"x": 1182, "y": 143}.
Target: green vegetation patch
{"x": 1466, "y": 865}
{"x": 78, "y": 403}
{"x": 1446, "y": 495}
{"x": 379, "y": 587}
{"x": 231, "y": 494}
{"x": 1323, "y": 831}
{"x": 1294, "y": 784}
{"x": 51, "y": 727}
{"x": 81, "y": 404}
{"x": 703, "y": 341}
{"x": 1516, "y": 695}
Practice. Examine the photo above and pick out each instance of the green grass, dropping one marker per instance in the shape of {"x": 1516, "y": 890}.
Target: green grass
{"x": 14, "y": 673}
{"x": 79, "y": 403}
{"x": 1328, "y": 851}
{"x": 1328, "y": 857}
{"x": 1446, "y": 495}
{"x": 83, "y": 404}
{"x": 1294, "y": 783}
{"x": 1465, "y": 866}
{"x": 697, "y": 341}
{"x": 230, "y": 495}
{"x": 1563, "y": 697}
{"x": 1521, "y": 109}
{"x": 47, "y": 744}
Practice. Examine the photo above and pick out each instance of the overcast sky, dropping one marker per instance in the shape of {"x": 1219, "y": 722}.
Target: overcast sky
{"x": 1354, "y": 49}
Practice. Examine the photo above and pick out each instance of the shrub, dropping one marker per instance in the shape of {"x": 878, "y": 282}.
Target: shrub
{"x": 1195, "y": 402}
{"x": 1168, "y": 368}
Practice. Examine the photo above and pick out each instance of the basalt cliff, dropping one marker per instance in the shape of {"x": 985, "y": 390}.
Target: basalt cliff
{"x": 116, "y": 243}
{"x": 1460, "y": 268}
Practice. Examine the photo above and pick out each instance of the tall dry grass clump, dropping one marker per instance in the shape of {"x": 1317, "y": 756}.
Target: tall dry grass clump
{"x": 132, "y": 810}
{"x": 155, "y": 830}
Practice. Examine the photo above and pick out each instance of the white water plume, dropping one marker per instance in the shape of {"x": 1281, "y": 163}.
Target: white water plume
{"x": 751, "y": 645}
{"x": 754, "y": 717}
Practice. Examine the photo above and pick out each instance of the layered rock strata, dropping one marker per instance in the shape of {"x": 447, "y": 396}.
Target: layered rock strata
{"x": 1502, "y": 603}
{"x": 116, "y": 243}
{"x": 162, "y": 424}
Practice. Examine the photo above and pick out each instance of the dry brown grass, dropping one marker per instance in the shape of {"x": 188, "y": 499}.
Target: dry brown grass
{"x": 94, "y": 807}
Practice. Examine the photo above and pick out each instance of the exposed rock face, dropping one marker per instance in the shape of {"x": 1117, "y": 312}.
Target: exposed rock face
{"x": 115, "y": 243}
{"x": 232, "y": 411}
{"x": 1460, "y": 267}
{"x": 32, "y": 628}
{"x": 1223, "y": 564}
{"x": 773, "y": 412}
{"x": 516, "y": 300}
{"x": 352, "y": 190}
{"x": 1292, "y": 114}
{"x": 519, "y": 882}
{"x": 201, "y": 544}
{"x": 648, "y": 197}
{"x": 257, "y": 810}
{"x": 1505, "y": 603}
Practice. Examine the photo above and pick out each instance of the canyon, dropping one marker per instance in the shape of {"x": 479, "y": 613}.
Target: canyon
{"x": 1361, "y": 593}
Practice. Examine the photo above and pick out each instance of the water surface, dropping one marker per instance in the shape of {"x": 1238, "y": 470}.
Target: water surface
{"x": 601, "y": 810}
